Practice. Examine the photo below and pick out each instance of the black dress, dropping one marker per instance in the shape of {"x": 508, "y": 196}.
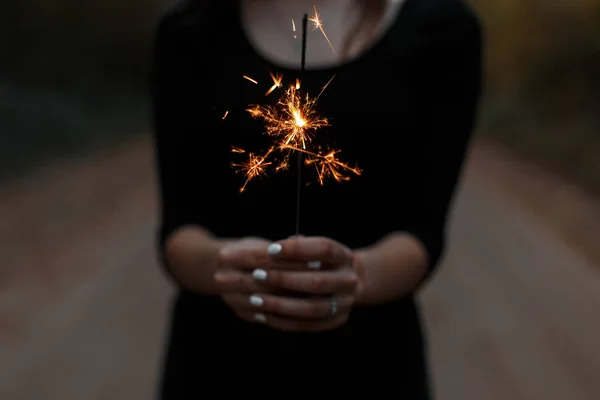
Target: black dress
{"x": 403, "y": 112}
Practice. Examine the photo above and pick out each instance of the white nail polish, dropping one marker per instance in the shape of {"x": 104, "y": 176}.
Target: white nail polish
{"x": 257, "y": 301}
{"x": 259, "y": 274}
{"x": 274, "y": 249}
{"x": 262, "y": 318}
{"x": 314, "y": 264}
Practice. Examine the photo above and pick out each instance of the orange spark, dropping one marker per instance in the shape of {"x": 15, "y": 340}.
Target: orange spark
{"x": 226, "y": 114}
{"x": 250, "y": 79}
{"x": 277, "y": 79}
{"x": 318, "y": 24}
{"x": 328, "y": 165}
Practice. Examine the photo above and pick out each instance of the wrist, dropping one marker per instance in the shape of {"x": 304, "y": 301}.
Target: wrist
{"x": 192, "y": 256}
{"x": 359, "y": 264}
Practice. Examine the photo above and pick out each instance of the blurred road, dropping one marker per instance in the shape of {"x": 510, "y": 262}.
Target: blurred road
{"x": 513, "y": 314}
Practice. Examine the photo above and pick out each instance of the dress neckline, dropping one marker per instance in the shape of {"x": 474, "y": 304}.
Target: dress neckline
{"x": 384, "y": 38}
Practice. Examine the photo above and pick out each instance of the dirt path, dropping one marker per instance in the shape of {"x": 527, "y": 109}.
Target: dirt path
{"x": 513, "y": 313}
{"x": 82, "y": 303}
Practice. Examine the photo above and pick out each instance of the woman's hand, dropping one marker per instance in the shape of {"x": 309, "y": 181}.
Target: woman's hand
{"x": 257, "y": 280}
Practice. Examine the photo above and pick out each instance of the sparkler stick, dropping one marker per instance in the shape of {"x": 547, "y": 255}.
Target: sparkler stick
{"x": 299, "y": 153}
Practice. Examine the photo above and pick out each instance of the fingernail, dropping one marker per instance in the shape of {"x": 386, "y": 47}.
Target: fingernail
{"x": 262, "y": 318}
{"x": 259, "y": 274}
{"x": 274, "y": 249}
{"x": 314, "y": 264}
{"x": 257, "y": 301}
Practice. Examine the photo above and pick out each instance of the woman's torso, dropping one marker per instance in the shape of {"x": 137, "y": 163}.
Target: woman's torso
{"x": 375, "y": 107}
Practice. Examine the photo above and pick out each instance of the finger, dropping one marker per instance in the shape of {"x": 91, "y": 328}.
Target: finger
{"x": 315, "y": 264}
{"x": 244, "y": 254}
{"x": 291, "y": 325}
{"x": 288, "y": 307}
{"x": 250, "y": 257}
{"x": 326, "y": 250}
{"x": 285, "y": 265}
{"x": 253, "y": 318}
{"x": 322, "y": 282}
{"x": 234, "y": 281}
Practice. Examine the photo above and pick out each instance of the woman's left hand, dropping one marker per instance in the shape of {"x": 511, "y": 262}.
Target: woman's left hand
{"x": 326, "y": 275}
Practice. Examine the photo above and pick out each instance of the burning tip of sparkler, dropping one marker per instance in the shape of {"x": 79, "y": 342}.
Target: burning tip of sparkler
{"x": 292, "y": 122}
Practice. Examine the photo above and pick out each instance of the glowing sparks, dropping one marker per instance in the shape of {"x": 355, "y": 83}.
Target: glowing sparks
{"x": 250, "y": 79}
{"x": 294, "y": 29}
{"x": 292, "y": 123}
{"x": 318, "y": 25}
{"x": 328, "y": 165}
{"x": 292, "y": 120}
{"x": 277, "y": 82}
{"x": 254, "y": 167}
{"x": 226, "y": 114}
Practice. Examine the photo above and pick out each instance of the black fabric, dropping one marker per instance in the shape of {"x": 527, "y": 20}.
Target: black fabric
{"x": 403, "y": 112}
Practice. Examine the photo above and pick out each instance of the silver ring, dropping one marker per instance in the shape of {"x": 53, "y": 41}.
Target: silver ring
{"x": 334, "y": 306}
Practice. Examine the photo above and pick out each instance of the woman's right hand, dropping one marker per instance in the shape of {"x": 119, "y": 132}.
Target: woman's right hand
{"x": 237, "y": 261}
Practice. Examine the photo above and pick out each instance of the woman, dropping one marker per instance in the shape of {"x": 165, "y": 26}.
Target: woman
{"x": 331, "y": 311}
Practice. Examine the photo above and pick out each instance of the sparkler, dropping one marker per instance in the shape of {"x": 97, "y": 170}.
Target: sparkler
{"x": 292, "y": 123}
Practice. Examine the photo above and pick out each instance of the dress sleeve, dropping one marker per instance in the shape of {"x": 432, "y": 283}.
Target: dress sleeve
{"x": 182, "y": 115}
{"x": 450, "y": 89}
